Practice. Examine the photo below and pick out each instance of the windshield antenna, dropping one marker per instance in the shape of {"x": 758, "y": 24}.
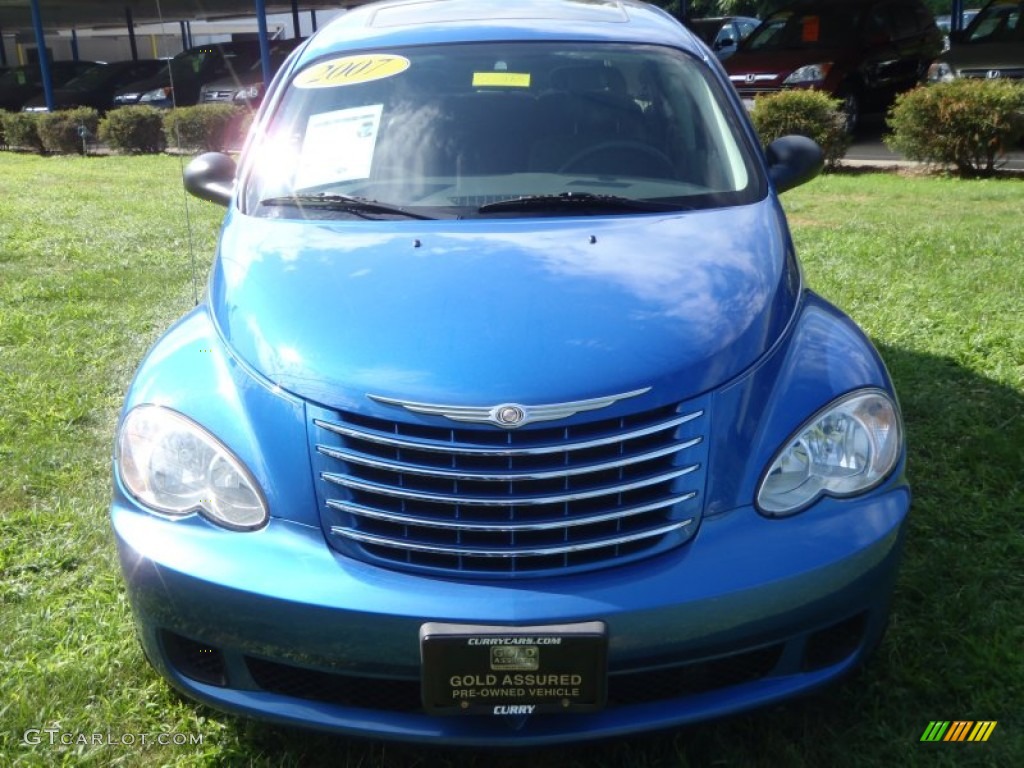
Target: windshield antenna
{"x": 181, "y": 168}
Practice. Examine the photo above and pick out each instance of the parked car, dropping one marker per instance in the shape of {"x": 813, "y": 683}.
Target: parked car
{"x": 864, "y": 52}
{"x": 507, "y": 417}
{"x": 179, "y": 84}
{"x": 723, "y": 33}
{"x": 247, "y": 87}
{"x": 19, "y": 84}
{"x": 96, "y": 86}
{"x": 991, "y": 47}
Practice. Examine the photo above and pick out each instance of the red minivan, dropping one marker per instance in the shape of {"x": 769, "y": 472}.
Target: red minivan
{"x": 861, "y": 51}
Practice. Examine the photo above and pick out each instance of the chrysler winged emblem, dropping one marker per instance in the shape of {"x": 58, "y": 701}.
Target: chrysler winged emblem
{"x": 993, "y": 74}
{"x": 509, "y": 415}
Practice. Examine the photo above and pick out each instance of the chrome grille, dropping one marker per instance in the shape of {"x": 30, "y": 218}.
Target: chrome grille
{"x": 1009, "y": 73}
{"x": 485, "y": 501}
{"x": 228, "y": 95}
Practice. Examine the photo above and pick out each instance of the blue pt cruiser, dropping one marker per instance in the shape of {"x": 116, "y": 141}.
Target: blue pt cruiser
{"x": 507, "y": 418}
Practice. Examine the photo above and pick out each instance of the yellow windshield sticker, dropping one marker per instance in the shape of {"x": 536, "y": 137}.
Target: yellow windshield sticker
{"x": 351, "y": 70}
{"x": 502, "y": 79}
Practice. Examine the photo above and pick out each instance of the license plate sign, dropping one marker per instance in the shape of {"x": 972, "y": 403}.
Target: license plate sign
{"x": 472, "y": 669}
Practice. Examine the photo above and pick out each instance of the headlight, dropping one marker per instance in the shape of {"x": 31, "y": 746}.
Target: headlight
{"x": 940, "y": 72}
{"x": 847, "y": 448}
{"x": 811, "y": 73}
{"x": 174, "y": 466}
{"x": 157, "y": 94}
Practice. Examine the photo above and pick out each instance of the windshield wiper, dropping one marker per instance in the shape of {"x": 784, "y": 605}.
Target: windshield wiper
{"x": 584, "y": 202}
{"x": 356, "y": 205}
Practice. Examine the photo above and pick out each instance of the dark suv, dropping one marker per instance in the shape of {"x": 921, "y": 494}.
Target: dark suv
{"x": 246, "y": 87}
{"x": 179, "y": 84}
{"x": 861, "y": 51}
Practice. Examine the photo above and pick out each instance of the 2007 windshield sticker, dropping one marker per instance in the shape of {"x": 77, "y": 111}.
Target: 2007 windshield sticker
{"x": 351, "y": 70}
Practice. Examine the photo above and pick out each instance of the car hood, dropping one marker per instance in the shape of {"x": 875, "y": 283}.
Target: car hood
{"x": 161, "y": 80}
{"x": 985, "y": 56}
{"x": 234, "y": 82}
{"x": 504, "y": 310}
{"x": 63, "y": 97}
{"x": 772, "y": 62}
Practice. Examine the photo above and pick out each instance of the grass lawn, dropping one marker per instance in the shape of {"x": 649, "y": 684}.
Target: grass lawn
{"x": 94, "y": 264}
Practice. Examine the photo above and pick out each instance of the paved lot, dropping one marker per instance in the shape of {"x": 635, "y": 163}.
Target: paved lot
{"x": 869, "y": 149}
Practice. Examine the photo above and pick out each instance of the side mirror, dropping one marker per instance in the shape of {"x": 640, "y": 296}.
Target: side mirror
{"x": 793, "y": 160}
{"x": 211, "y": 176}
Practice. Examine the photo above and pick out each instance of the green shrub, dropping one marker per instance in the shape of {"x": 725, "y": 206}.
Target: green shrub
{"x": 965, "y": 123}
{"x": 135, "y": 130}
{"x": 806, "y": 113}
{"x": 208, "y": 127}
{"x": 21, "y": 130}
{"x": 62, "y": 131}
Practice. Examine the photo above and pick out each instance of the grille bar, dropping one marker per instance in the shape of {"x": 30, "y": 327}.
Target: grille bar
{"x": 502, "y": 501}
{"x": 560, "y": 549}
{"x": 1009, "y": 73}
{"x": 417, "y": 493}
{"x": 440, "y": 446}
{"x": 467, "y": 525}
{"x": 501, "y": 477}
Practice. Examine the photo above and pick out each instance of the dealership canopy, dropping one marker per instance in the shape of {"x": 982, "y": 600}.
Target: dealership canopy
{"x": 43, "y": 17}
{"x": 63, "y": 14}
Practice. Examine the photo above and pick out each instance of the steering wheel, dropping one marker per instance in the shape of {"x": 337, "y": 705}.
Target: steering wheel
{"x": 645, "y": 154}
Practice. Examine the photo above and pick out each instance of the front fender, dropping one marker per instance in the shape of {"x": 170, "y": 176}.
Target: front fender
{"x": 824, "y": 355}
{"x": 190, "y": 370}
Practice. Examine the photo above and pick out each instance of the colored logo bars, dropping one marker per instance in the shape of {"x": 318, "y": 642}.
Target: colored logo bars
{"x": 958, "y": 730}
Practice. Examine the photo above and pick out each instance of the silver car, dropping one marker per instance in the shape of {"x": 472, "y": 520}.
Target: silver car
{"x": 991, "y": 47}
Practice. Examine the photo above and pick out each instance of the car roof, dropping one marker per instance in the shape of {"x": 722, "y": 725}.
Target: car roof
{"x": 416, "y": 22}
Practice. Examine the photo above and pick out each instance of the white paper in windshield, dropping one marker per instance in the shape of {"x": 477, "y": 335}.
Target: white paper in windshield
{"x": 338, "y": 146}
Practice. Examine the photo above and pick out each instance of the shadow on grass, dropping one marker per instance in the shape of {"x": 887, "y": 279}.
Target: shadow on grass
{"x": 953, "y": 650}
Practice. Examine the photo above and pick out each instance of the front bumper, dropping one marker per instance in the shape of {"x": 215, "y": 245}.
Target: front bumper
{"x": 276, "y": 625}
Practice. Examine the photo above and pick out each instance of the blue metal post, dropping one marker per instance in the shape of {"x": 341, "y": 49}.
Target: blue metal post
{"x": 44, "y": 59}
{"x": 956, "y": 16}
{"x": 295, "y": 18}
{"x": 3, "y": 53}
{"x": 74, "y": 44}
{"x": 312, "y": 18}
{"x": 131, "y": 33}
{"x": 184, "y": 36}
{"x": 261, "y": 21}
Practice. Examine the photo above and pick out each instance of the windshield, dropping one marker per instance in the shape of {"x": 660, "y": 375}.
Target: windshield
{"x": 997, "y": 23}
{"x": 92, "y": 77}
{"x": 822, "y": 27}
{"x": 20, "y": 76}
{"x": 448, "y": 130}
{"x": 212, "y": 61}
{"x": 706, "y": 29}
